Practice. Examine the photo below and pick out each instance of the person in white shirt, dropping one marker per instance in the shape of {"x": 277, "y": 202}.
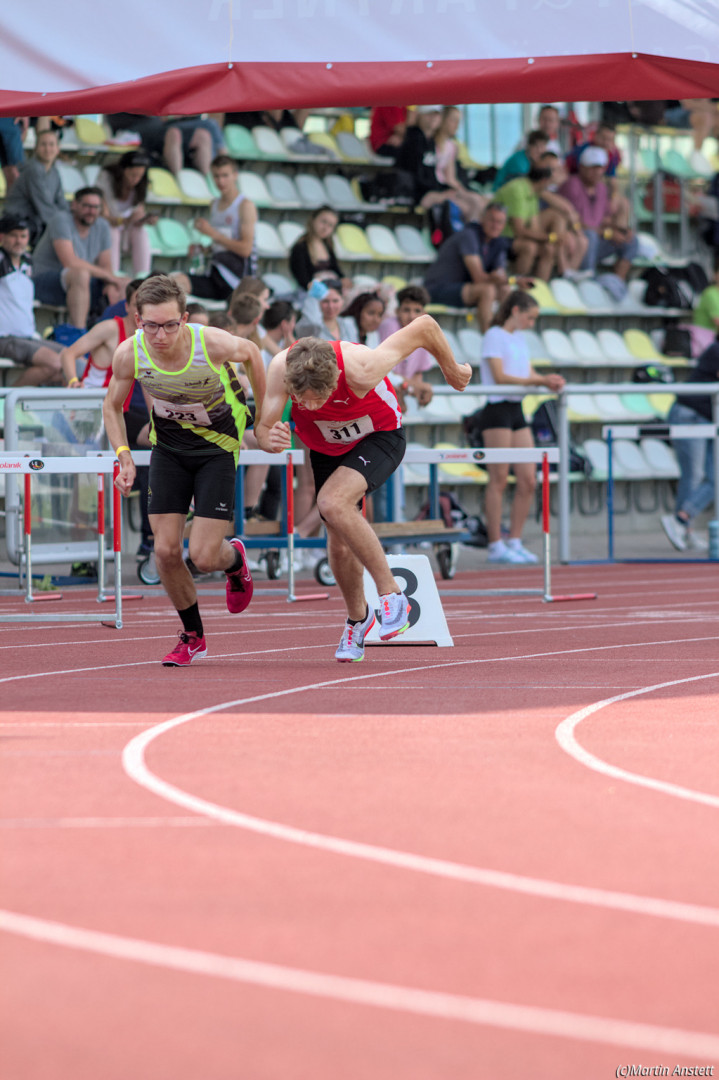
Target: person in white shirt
{"x": 19, "y": 341}
{"x": 505, "y": 359}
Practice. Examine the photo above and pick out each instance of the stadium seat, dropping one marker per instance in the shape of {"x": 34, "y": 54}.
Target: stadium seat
{"x": 413, "y": 245}
{"x": 240, "y": 143}
{"x": 595, "y": 297}
{"x": 162, "y": 187}
{"x": 173, "y": 237}
{"x": 538, "y": 352}
{"x": 638, "y": 407}
{"x": 567, "y": 297}
{"x": 91, "y": 135}
{"x": 383, "y": 243}
{"x": 253, "y": 187}
{"x": 311, "y": 190}
{"x": 193, "y": 186}
{"x": 611, "y": 407}
{"x": 327, "y": 142}
{"x": 269, "y": 143}
{"x": 282, "y": 287}
{"x": 470, "y": 342}
{"x": 342, "y": 196}
{"x": 661, "y": 403}
{"x": 544, "y": 297}
{"x": 559, "y": 347}
{"x": 615, "y": 348}
{"x": 351, "y": 148}
{"x": 351, "y": 244}
{"x": 283, "y": 192}
{"x": 290, "y": 232}
{"x": 71, "y": 177}
{"x": 269, "y": 244}
{"x": 91, "y": 173}
{"x": 629, "y": 461}
{"x": 661, "y": 458}
{"x": 581, "y": 407}
{"x": 595, "y": 450}
{"x": 587, "y": 348}
{"x": 642, "y": 347}
{"x": 393, "y": 281}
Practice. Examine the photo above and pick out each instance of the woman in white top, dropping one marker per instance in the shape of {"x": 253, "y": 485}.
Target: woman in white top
{"x": 505, "y": 359}
{"x": 124, "y": 189}
{"x": 367, "y": 310}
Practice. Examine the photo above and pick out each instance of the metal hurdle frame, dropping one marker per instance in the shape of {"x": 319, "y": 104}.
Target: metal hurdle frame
{"x": 661, "y": 431}
{"x": 27, "y": 464}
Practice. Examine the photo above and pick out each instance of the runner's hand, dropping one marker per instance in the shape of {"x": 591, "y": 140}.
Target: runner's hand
{"x": 458, "y": 377}
{"x": 279, "y": 437}
{"x": 126, "y": 477}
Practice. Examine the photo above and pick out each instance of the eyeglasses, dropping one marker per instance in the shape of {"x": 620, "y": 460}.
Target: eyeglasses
{"x": 170, "y": 327}
{"x": 90, "y": 206}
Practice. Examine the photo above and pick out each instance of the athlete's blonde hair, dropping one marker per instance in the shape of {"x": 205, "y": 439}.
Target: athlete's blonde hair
{"x": 311, "y": 365}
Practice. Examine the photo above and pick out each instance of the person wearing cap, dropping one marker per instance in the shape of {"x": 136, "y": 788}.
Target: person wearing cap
{"x": 605, "y": 228}
{"x": 18, "y": 338}
{"x": 37, "y": 194}
{"x": 418, "y": 156}
{"x": 71, "y": 262}
{"x": 124, "y": 189}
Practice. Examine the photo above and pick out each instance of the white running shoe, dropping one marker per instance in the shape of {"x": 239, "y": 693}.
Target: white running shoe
{"x": 499, "y": 552}
{"x": 518, "y": 546}
{"x": 351, "y": 646}
{"x": 696, "y": 542}
{"x": 676, "y": 532}
{"x": 394, "y": 612}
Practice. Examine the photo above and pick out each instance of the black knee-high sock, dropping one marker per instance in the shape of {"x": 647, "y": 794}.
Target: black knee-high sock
{"x": 191, "y": 621}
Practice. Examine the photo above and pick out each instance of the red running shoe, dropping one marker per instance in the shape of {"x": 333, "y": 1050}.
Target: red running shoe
{"x": 190, "y": 647}
{"x": 239, "y": 583}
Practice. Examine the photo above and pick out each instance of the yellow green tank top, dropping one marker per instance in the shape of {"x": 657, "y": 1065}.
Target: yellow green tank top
{"x": 198, "y": 409}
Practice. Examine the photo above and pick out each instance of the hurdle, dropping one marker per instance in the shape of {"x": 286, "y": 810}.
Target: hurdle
{"x": 27, "y": 465}
{"x": 510, "y": 455}
{"x": 659, "y": 431}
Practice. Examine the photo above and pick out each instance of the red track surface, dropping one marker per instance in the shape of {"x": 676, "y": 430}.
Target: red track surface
{"x": 399, "y": 870}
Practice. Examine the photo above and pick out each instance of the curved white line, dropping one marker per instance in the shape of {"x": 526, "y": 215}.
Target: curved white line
{"x": 530, "y": 1018}
{"x": 565, "y": 735}
{"x": 135, "y": 766}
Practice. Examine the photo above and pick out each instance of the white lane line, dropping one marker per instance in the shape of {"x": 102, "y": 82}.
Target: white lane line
{"x": 565, "y": 735}
{"x": 133, "y": 760}
{"x": 444, "y": 1006}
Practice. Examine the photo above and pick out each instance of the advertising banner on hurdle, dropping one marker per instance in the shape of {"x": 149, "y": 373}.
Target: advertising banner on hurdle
{"x": 427, "y": 622}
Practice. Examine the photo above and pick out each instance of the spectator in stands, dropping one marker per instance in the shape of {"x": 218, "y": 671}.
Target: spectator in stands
{"x": 417, "y": 156}
{"x": 367, "y": 311}
{"x": 313, "y": 253}
{"x": 37, "y": 194}
{"x": 231, "y": 227}
{"x": 695, "y": 490}
{"x": 198, "y": 313}
{"x": 97, "y": 347}
{"x": 72, "y": 262}
{"x": 471, "y": 266}
{"x": 537, "y": 235}
{"x": 406, "y": 377}
{"x": 277, "y": 119}
{"x": 256, "y": 287}
{"x": 505, "y": 359}
{"x": 550, "y": 124}
{"x": 278, "y": 322}
{"x": 18, "y": 337}
{"x": 11, "y": 149}
{"x": 192, "y": 141}
{"x": 607, "y": 232}
{"x": 574, "y": 244}
{"x": 521, "y": 161}
{"x": 706, "y": 309}
{"x": 447, "y": 148}
{"x": 332, "y": 325}
{"x": 605, "y": 137}
{"x": 124, "y": 188}
{"x": 387, "y": 128}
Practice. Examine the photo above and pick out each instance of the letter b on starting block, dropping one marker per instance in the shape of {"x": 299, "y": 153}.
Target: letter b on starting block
{"x": 427, "y": 623}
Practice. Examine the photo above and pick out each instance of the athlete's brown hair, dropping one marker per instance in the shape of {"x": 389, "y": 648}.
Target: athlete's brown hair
{"x": 160, "y": 289}
{"x": 311, "y": 365}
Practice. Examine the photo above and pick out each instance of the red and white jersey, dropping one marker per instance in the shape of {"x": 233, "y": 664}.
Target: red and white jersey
{"x": 93, "y": 375}
{"x": 344, "y": 418}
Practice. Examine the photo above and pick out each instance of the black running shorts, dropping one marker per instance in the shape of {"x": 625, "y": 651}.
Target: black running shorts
{"x": 177, "y": 479}
{"x": 503, "y": 414}
{"x": 376, "y": 457}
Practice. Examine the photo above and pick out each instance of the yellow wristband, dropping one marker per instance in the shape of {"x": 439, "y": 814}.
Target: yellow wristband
{"x": 120, "y": 449}
{"x": 552, "y": 237}
{"x": 512, "y": 280}
{"x": 608, "y": 234}
{"x": 73, "y": 380}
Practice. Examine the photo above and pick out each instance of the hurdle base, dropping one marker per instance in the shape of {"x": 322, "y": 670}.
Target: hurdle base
{"x": 293, "y": 598}
{"x": 42, "y": 597}
{"x": 396, "y": 642}
{"x": 572, "y": 596}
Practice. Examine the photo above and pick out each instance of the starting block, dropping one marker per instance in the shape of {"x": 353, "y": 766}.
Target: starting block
{"x": 427, "y": 622}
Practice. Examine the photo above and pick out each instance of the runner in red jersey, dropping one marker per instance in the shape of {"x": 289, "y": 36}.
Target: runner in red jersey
{"x": 347, "y": 413}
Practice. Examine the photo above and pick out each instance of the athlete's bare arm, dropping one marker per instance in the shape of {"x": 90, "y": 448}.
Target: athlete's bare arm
{"x": 223, "y": 346}
{"x": 101, "y": 340}
{"x": 273, "y": 434}
{"x": 365, "y": 368}
{"x": 123, "y": 374}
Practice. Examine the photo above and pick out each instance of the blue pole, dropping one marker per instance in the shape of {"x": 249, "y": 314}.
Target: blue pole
{"x": 610, "y": 498}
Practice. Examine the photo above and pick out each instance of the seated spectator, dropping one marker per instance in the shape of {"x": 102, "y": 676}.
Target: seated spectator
{"x": 150, "y": 130}
{"x": 222, "y": 320}
{"x": 446, "y": 144}
{"x": 313, "y": 252}
{"x": 278, "y": 322}
{"x": 37, "y": 194}
{"x": 192, "y": 141}
{"x": 72, "y": 263}
{"x": 521, "y": 161}
{"x": 18, "y": 337}
{"x": 198, "y": 314}
{"x": 332, "y": 326}
{"x": 537, "y": 235}
{"x": 97, "y": 347}
{"x": 367, "y": 311}
{"x": 277, "y": 119}
{"x": 550, "y": 124}
{"x": 387, "y": 128}
{"x": 417, "y": 156}
{"x": 124, "y": 188}
{"x": 607, "y": 233}
{"x": 255, "y": 287}
{"x": 574, "y": 244}
{"x": 231, "y": 227}
{"x": 406, "y": 377}
{"x": 11, "y": 150}
{"x": 605, "y": 137}
{"x": 471, "y": 266}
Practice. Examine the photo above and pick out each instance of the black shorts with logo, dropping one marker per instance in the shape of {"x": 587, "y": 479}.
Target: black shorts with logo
{"x": 177, "y": 479}
{"x": 376, "y": 457}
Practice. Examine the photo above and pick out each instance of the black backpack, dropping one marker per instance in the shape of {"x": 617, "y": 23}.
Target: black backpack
{"x": 545, "y": 431}
{"x": 666, "y": 288}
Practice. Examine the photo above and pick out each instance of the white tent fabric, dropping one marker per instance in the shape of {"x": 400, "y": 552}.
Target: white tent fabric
{"x": 187, "y": 57}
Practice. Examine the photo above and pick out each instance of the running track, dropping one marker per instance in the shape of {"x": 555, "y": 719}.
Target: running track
{"x": 489, "y": 862}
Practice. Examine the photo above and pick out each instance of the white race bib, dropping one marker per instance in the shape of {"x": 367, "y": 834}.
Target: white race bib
{"x": 191, "y": 414}
{"x": 334, "y": 431}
